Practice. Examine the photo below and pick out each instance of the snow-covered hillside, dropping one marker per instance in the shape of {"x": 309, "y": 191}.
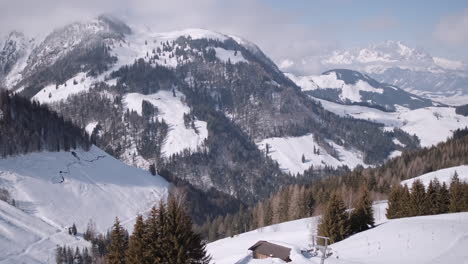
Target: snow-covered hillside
{"x": 53, "y": 93}
{"x": 431, "y": 124}
{"x": 25, "y": 238}
{"x": 415, "y": 240}
{"x": 172, "y": 110}
{"x": 62, "y": 188}
{"x": 288, "y": 153}
{"x": 53, "y": 190}
{"x": 443, "y": 175}
{"x": 351, "y": 87}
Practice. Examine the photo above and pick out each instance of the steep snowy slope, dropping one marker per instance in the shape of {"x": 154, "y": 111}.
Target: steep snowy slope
{"x": 431, "y": 124}
{"x": 288, "y": 153}
{"x": 415, "y": 240}
{"x": 172, "y": 110}
{"x": 444, "y": 175}
{"x": 25, "y": 238}
{"x": 62, "y": 188}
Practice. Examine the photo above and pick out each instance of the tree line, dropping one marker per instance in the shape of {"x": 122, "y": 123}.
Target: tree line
{"x": 66, "y": 255}
{"x": 348, "y": 185}
{"x": 437, "y": 198}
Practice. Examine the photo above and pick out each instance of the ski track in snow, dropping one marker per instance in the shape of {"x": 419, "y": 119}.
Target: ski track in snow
{"x": 94, "y": 183}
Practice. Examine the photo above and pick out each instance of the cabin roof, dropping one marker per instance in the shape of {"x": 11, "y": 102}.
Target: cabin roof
{"x": 270, "y": 249}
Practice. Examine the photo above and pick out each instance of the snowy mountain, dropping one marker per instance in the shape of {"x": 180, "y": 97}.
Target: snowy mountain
{"x": 424, "y": 239}
{"x": 395, "y": 63}
{"x": 352, "y": 87}
{"x": 53, "y": 190}
{"x": 442, "y": 121}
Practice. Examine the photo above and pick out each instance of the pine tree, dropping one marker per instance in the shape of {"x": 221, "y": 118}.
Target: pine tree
{"x": 69, "y": 255}
{"x": 59, "y": 256}
{"x": 87, "y": 258}
{"x": 395, "y": 206}
{"x": 437, "y": 197}
{"x": 456, "y": 194}
{"x": 136, "y": 243}
{"x": 465, "y": 197}
{"x": 303, "y": 159}
{"x": 334, "y": 223}
{"x": 153, "y": 237}
{"x": 118, "y": 245}
{"x": 362, "y": 217}
{"x": 418, "y": 202}
{"x": 444, "y": 198}
{"x": 185, "y": 246}
{"x": 77, "y": 259}
{"x": 74, "y": 230}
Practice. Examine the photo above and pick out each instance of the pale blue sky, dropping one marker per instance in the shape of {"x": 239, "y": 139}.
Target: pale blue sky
{"x": 362, "y": 22}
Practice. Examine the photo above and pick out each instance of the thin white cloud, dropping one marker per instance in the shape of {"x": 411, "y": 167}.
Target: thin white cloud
{"x": 453, "y": 30}
{"x": 276, "y": 31}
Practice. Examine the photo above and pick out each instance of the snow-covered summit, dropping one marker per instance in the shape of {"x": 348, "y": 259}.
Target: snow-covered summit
{"x": 378, "y": 57}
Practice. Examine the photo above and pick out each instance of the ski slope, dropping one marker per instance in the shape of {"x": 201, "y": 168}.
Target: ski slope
{"x": 288, "y": 153}
{"x": 415, "y": 240}
{"x": 443, "y": 175}
{"x": 172, "y": 110}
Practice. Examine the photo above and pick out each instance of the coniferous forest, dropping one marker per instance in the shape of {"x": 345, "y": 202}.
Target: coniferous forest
{"x": 165, "y": 236}
{"x": 29, "y": 127}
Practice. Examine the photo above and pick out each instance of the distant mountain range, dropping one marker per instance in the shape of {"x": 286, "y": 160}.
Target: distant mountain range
{"x": 395, "y": 63}
{"x": 354, "y": 88}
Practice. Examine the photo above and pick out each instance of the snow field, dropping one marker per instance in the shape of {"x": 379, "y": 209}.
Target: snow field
{"x": 172, "y": 110}
{"x": 61, "y": 188}
{"x": 415, "y": 240}
{"x": 443, "y": 175}
{"x": 288, "y": 153}
{"x": 432, "y": 125}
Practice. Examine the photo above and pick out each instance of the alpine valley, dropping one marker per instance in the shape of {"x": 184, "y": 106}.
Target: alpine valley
{"x": 100, "y": 119}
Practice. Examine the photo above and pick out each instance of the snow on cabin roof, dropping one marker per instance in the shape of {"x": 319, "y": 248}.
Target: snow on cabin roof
{"x": 273, "y": 250}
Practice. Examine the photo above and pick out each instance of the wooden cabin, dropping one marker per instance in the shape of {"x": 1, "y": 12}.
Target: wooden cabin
{"x": 264, "y": 249}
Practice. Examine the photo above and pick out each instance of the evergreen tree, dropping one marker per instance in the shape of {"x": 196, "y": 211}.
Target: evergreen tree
{"x": 303, "y": 159}
{"x": 136, "y": 243}
{"x": 74, "y": 231}
{"x": 395, "y": 206}
{"x": 59, "y": 256}
{"x": 418, "y": 202}
{"x": 153, "y": 237}
{"x": 118, "y": 245}
{"x": 437, "y": 197}
{"x": 77, "y": 259}
{"x": 185, "y": 246}
{"x": 456, "y": 194}
{"x": 444, "y": 199}
{"x": 362, "y": 217}
{"x": 87, "y": 258}
{"x": 69, "y": 255}
{"x": 334, "y": 223}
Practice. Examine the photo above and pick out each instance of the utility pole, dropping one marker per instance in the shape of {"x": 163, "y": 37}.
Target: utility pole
{"x": 323, "y": 248}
